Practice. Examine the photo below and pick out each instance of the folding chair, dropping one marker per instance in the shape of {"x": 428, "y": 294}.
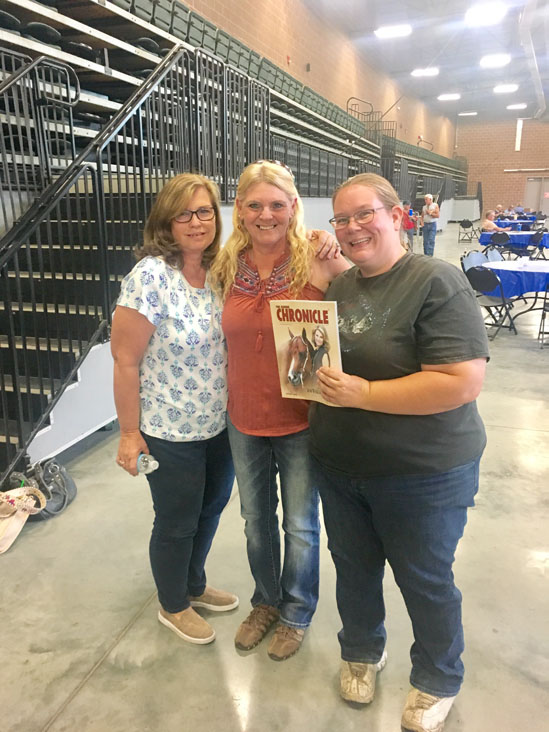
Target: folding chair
{"x": 536, "y": 241}
{"x": 472, "y": 259}
{"x": 466, "y": 231}
{"x": 498, "y": 307}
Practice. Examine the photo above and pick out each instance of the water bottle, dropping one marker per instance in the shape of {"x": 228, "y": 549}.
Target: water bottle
{"x": 519, "y": 227}
{"x": 146, "y": 464}
{"x": 411, "y": 212}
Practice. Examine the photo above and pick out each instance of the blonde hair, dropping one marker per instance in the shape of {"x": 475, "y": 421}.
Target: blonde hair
{"x": 158, "y": 240}
{"x": 225, "y": 267}
{"x": 384, "y": 191}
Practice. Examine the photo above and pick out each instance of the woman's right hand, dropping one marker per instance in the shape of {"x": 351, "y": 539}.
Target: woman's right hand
{"x": 129, "y": 448}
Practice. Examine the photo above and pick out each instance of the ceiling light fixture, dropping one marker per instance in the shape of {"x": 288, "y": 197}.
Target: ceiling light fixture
{"x": 485, "y": 14}
{"x": 517, "y": 106}
{"x": 448, "y": 97}
{"x": 495, "y": 60}
{"x": 393, "y": 31}
{"x": 467, "y": 114}
{"x": 505, "y": 88}
{"x": 428, "y": 71}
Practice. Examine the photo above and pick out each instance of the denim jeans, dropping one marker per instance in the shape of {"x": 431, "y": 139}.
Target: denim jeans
{"x": 414, "y": 522}
{"x": 257, "y": 460}
{"x": 189, "y": 490}
{"x": 429, "y": 235}
{"x": 410, "y": 237}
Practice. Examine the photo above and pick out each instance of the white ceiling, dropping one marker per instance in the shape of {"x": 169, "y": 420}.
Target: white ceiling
{"x": 441, "y": 38}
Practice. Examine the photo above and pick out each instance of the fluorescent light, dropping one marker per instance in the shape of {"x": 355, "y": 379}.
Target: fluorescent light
{"x": 495, "y": 60}
{"x": 448, "y": 97}
{"x": 393, "y": 31}
{"x": 505, "y": 88}
{"x": 517, "y": 106}
{"x": 429, "y": 71}
{"x": 467, "y": 114}
{"x": 485, "y": 14}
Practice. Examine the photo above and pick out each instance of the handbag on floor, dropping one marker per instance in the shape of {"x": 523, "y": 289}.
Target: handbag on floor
{"x": 16, "y": 507}
{"x": 57, "y": 485}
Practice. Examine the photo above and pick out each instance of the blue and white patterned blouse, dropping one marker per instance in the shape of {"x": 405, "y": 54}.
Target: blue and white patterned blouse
{"x": 182, "y": 376}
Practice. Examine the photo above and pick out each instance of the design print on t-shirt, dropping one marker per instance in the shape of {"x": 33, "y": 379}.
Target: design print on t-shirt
{"x": 359, "y": 316}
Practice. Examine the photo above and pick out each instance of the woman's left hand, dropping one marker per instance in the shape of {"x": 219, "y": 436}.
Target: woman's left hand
{"x": 342, "y": 389}
{"x": 327, "y": 246}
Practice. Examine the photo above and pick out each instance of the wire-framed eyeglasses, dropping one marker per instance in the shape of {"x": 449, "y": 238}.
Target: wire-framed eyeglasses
{"x": 204, "y": 213}
{"x": 364, "y": 216}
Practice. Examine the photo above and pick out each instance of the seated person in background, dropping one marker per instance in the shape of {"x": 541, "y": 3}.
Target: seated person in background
{"x": 499, "y": 211}
{"x": 519, "y": 209}
{"x": 509, "y": 211}
{"x": 489, "y": 225}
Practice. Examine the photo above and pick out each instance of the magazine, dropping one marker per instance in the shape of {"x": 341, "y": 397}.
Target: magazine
{"x": 306, "y": 338}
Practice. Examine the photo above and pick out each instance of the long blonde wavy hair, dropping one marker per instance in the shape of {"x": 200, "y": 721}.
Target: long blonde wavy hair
{"x": 174, "y": 197}
{"x": 225, "y": 266}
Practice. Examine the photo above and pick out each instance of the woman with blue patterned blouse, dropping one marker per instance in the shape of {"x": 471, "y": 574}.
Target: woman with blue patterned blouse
{"x": 170, "y": 393}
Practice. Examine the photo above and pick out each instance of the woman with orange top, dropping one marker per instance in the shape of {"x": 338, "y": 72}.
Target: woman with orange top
{"x": 268, "y": 257}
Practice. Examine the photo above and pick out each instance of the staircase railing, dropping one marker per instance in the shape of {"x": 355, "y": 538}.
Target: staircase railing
{"x": 62, "y": 261}
{"x": 36, "y": 102}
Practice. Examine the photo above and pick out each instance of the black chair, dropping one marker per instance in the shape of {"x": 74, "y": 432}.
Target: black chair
{"x": 43, "y": 33}
{"x": 9, "y": 22}
{"x": 499, "y": 238}
{"x": 466, "y": 231}
{"x": 498, "y": 307}
{"x": 536, "y": 241}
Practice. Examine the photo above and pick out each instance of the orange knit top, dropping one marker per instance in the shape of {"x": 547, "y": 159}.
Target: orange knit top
{"x": 256, "y": 406}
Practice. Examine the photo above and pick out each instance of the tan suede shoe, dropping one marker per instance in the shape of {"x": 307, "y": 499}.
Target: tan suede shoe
{"x": 217, "y": 600}
{"x": 188, "y": 625}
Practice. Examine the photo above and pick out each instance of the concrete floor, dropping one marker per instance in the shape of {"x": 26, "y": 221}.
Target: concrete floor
{"x": 82, "y": 648}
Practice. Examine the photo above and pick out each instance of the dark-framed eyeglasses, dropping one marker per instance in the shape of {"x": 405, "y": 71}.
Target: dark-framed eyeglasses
{"x": 361, "y": 217}
{"x": 204, "y": 213}
{"x": 277, "y": 162}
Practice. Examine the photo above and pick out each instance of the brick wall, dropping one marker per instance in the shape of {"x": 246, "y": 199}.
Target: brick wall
{"x": 490, "y": 149}
{"x": 278, "y": 29}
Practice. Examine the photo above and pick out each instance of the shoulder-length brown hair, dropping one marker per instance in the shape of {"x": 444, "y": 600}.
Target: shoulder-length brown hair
{"x": 171, "y": 201}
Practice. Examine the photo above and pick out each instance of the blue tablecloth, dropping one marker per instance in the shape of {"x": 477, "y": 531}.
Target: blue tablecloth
{"x": 514, "y": 225}
{"x": 520, "y": 276}
{"x": 518, "y": 238}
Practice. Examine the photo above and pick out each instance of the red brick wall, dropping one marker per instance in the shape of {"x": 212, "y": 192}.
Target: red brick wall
{"x": 490, "y": 149}
{"x": 280, "y": 28}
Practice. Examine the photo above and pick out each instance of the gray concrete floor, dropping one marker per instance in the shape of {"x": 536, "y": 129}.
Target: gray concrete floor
{"x": 82, "y": 648}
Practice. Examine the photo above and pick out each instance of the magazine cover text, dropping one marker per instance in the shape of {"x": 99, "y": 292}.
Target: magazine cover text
{"x": 306, "y": 338}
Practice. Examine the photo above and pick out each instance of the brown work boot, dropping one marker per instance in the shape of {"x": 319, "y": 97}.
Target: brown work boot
{"x": 188, "y": 625}
{"x": 216, "y": 600}
{"x": 252, "y": 630}
{"x": 285, "y": 642}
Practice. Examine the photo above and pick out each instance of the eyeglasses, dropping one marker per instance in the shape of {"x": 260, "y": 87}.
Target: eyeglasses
{"x": 361, "y": 217}
{"x": 204, "y": 213}
{"x": 277, "y": 162}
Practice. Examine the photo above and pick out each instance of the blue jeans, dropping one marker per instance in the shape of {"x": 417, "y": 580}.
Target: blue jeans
{"x": 258, "y": 460}
{"x": 414, "y": 522}
{"x": 410, "y": 237}
{"x": 429, "y": 234}
{"x": 189, "y": 490}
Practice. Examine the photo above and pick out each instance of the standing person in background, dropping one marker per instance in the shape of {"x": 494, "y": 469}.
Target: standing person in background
{"x": 268, "y": 257}
{"x": 398, "y": 453}
{"x": 170, "y": 392}
{"x": 429, "y": 215}
{"x": 409, "y": 221}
